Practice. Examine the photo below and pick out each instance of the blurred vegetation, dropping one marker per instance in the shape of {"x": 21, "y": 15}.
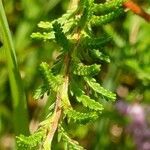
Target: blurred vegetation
{"x": 128, "y": 74}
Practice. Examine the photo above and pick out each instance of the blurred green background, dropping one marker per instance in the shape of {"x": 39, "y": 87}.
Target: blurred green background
{"x": 124, "y": 125}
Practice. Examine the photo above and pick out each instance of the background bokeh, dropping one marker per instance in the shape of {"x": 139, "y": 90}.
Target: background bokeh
{"x": 125, "y": 124}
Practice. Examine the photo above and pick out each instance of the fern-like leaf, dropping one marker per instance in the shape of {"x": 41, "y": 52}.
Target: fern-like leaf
{"x": 31, "y": 142}
{"x": 104, "y": 19}
{"x": 95, "y": 43}
{"x": 49, "y": 79}
{"x": 40, "y": 91}
{"x": 70, "y": 144}
{"x": 107, "y": 7}
{"x": 60, "y": 37}
{"x": 80, "y": 117}
{"x": 73, "y": 32}
{"x": 43, "y": 36}
{"x": 99, "y": 89}
{"x": 84, "y": 70}
{"x": 90, "y": 103}
{"x": 85, "y": 99}
{"x": 98, "y": 55}
{"x": 45, "y": 25}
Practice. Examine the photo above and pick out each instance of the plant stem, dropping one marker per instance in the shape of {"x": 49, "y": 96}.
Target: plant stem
{"x": 137, "y": 9}
{"x": 62, "y": 94}
{"x": 20, "y": 114}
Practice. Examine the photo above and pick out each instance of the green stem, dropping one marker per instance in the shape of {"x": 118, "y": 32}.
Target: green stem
{"x": 20, "y": 114}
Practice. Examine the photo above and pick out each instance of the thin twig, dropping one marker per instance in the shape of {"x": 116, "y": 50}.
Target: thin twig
{"x": 135, "y": 8}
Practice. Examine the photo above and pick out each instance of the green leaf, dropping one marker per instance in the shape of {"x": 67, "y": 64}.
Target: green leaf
{"x": 99, "y": 89}
{"x": 45, "y": 25}
{"x": 84, "y": 70}
{"x": 106, "y": 7}
{"x": 39, "y": 93}
{"x": 95, "y": 43}
{"x": 85, "y": 99}
{"x": 70, "y": 144}
{"x": 49, "y": 79}
{"x": 31, "y": 142}
{"x": 104, "y": 19}
{"x": 90, "y": 103}
{"x": 97, "y": 55}
{"x": 60, "y": 37}
{"x": 43, "y": 36}
{"x": 80, "y": 117}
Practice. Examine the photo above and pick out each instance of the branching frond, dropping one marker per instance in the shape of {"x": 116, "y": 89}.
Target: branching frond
{"x": 72, "y": 72}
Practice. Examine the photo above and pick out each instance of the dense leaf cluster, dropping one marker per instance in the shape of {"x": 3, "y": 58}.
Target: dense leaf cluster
{"x": 73, "y": 76}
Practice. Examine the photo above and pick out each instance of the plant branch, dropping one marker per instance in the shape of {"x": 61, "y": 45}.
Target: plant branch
{"x": 137, "y": 10}
{"x": 61, "y": 94}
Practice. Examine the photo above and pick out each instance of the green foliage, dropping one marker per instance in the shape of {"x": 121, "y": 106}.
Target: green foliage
{"x": 99, "y": 56}
{"x": 39, "y": 93}
{"x": 84, "y": 70}
{"x": 130, "y": 57}
{"x": 141, "y": 70}
{"x": 80, "y": 117}
{"x": 50, "y": 81}
{"x": 99, "y": 89}
{"x": 88, "y": 102}
{"x": 69, "y": 144}
{"x": 72, "y": 76}
{"x": 85, "y": 99}
{"x": 64, "y": 23}
{"x": 107, "y": 7}
{"x": 31, "y": 143}
{"x": 106, "y": 12}
{"x": 60, "y": 37}
{"x": 128, "y": 51}
{"x": 94, "y": 43}
{"x": 100, "y": 20}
